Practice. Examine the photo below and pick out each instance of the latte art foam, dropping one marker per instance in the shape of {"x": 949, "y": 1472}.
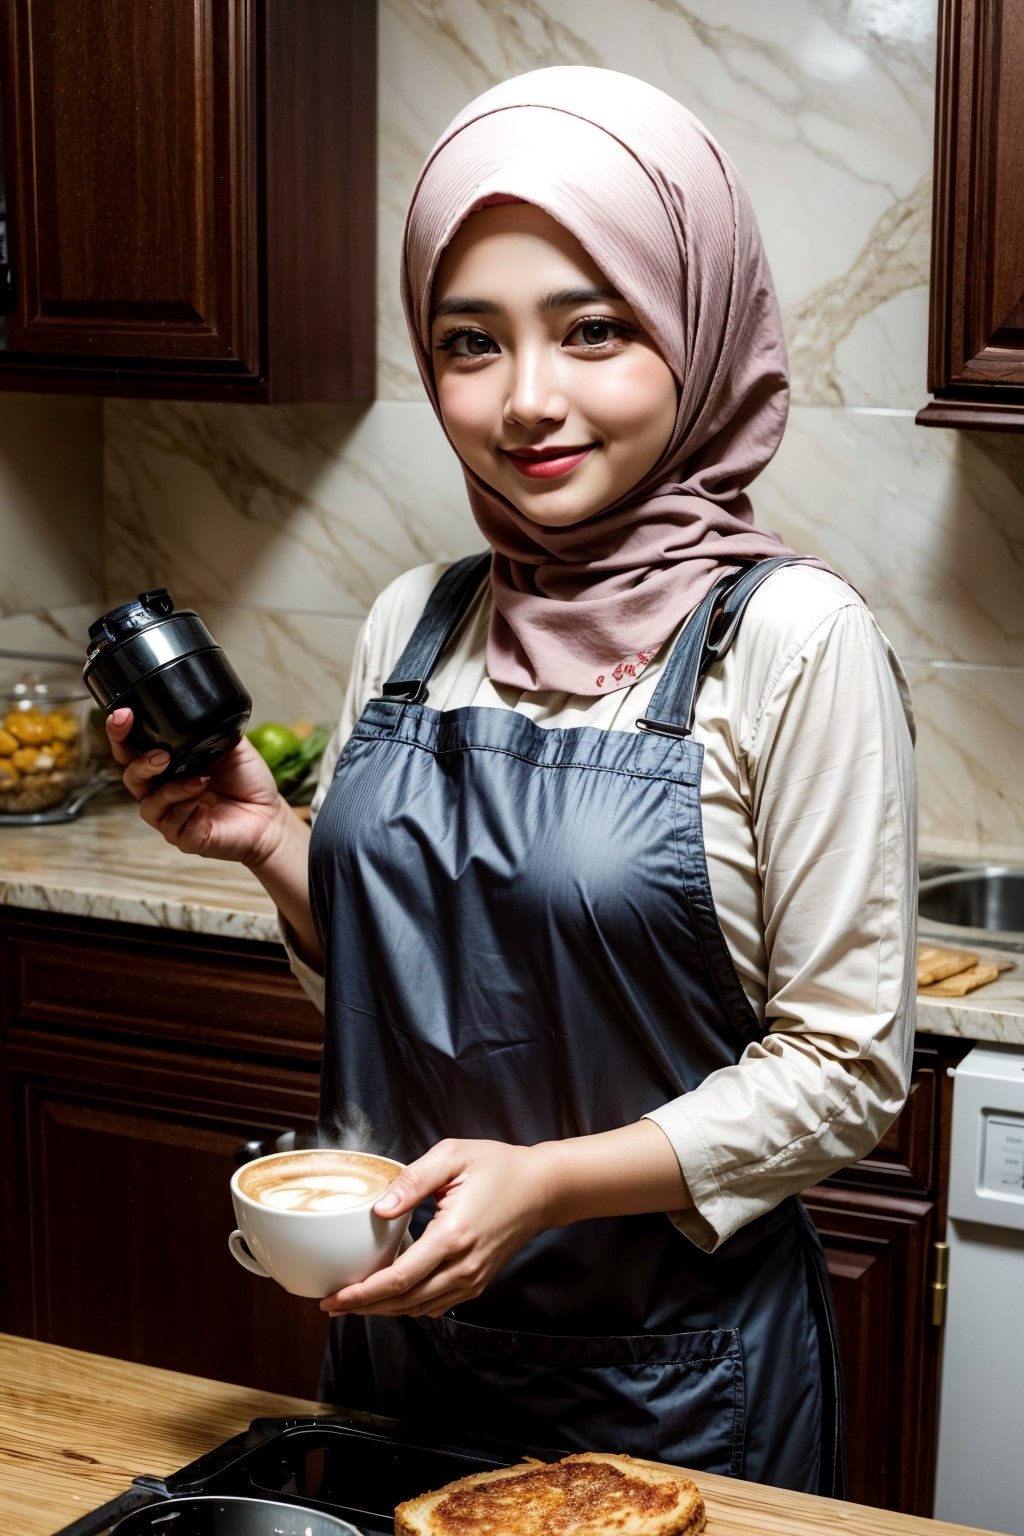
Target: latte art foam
{"x": 321, "y": 1192}
{"x": 316, "y": 1180}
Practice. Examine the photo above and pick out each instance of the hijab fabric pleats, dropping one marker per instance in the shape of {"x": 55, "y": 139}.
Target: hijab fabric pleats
{"x": 661, "y": 210}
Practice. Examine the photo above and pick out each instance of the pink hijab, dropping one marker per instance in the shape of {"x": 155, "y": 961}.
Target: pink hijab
{"x": 661, "y": 210}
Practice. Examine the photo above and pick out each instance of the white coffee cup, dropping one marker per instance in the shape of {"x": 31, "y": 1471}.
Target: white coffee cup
{"x": 305, "y": 1218}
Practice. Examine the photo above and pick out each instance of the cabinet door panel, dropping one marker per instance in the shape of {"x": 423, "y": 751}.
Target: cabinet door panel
{"x": 976, "y": 330}
{"x": 121, "y": 1177}
{"x": 878, "y": 1251}
{"x": 992, "y": 347}
{"x": 131, "y": 128}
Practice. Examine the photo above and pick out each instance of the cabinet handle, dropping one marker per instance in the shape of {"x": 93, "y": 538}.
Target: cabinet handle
{"x": 6, "y": 270}
{"x": 250, "y": 1150}
{"x": 939, "y": 1287}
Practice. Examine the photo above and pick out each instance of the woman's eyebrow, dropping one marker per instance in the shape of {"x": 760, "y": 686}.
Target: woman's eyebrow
{"x": 568, "y": 298}
{"x": 565, "y": 298}
{"x": 460, "y": 306}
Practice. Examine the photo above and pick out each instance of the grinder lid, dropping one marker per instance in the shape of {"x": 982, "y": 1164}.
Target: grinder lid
{"x": 137, "y": 638}
{"x": 148, "y": 608}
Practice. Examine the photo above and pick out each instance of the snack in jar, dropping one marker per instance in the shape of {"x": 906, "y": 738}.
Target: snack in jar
{"x": 44, "y": 734}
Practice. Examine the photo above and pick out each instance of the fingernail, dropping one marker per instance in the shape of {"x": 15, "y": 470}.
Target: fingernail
{"x": 198, "y": 781}
{"x": 158, "y": 759}
{"x": 387, "y": 1202}
{"x": 119, "y": 716}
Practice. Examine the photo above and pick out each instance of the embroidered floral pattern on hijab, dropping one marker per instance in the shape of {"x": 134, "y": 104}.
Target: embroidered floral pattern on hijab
{"x": 660, "y": 208}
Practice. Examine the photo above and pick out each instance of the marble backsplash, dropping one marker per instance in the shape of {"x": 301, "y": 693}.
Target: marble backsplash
{"x": 281, "y": 524}
{"x": 51, "y": 521}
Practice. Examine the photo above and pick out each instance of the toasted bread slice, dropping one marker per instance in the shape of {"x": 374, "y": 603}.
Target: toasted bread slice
{"x": 964, "y": 981}
{"x": 935, "y": 963}
{"x": 591, "y": 1494}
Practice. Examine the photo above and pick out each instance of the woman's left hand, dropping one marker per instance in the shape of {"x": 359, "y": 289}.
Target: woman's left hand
{"x": 491, "y": 1199}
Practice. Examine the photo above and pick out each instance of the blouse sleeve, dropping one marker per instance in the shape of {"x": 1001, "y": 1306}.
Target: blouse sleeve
{"x": 826, "y": 755}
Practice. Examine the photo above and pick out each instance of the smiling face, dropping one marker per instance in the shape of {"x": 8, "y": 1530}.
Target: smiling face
{"x": 549, "y": 388}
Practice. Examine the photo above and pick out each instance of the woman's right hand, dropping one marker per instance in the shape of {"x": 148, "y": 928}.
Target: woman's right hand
{"x": 233, "y": 813}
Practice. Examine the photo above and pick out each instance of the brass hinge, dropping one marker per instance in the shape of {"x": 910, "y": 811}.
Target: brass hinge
{"x": 939, "y": 1287}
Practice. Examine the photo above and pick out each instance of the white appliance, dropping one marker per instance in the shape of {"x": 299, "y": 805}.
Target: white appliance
{"x": 980, "y": 1474}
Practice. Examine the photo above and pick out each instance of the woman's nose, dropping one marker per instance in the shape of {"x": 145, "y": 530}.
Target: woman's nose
{"x": 535, "y": 389}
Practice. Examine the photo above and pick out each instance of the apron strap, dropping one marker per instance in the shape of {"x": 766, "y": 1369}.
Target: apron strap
{"x": 445, "y": 607}
{"x": 706, "y": 636}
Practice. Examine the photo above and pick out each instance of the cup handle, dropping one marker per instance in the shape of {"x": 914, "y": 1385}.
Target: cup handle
{"x": 239, "y": 1251}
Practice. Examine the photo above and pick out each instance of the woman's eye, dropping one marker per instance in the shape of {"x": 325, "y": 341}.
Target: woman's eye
{"x": 597, "y": 333}
{"x": 467, "y": 343}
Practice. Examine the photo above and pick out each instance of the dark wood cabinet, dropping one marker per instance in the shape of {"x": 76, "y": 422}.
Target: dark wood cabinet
{"x": 133, "y": 1065}
{"x": 190, "y": 197}
{"x": 976, "y": 330}
{"x": 882, "y": 1223}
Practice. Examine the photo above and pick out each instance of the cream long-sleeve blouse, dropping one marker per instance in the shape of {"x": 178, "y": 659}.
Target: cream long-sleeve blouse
{"x": 808, "y": 798}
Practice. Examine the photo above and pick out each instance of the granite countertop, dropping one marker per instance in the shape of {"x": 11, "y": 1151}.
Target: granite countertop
{"x": 108, "y": 864}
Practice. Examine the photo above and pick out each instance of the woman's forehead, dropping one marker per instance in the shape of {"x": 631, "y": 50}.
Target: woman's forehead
{"x": 514, "y": 246}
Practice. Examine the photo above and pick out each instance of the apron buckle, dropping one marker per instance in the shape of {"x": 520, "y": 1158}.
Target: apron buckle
{"x": 666, "y": 727}
{"x": 406, "y": 691}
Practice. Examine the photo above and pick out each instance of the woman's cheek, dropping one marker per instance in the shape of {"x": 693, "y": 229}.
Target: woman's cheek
{"x": 465, "y": 403}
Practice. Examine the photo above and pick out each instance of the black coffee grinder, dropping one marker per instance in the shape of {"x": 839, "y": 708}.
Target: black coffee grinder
{"x": 167, "y": 668}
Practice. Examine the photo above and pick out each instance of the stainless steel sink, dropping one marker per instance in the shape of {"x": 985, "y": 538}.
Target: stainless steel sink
{"x": 989, "y": 898}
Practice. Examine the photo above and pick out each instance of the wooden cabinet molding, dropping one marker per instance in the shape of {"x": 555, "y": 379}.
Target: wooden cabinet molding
{"x": 191, "y": 197}
{"x": 976, "y": 323}
{"x": 118, "y": 1205}
{"x": 878, "y": 1252}
{"x": 155, "y": 987}
{"x": 133, "y": 1064}
{"x": 879, "y": 1222}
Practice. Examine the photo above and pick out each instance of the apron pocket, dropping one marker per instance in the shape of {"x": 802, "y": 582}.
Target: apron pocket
{"x": 675, "y": 1397}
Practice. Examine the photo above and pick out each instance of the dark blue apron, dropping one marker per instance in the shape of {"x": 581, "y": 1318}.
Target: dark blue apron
{"x": 522, "y": 945}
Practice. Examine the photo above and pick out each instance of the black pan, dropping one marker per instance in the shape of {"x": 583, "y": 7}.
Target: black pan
{"x": 225, "y": 1516}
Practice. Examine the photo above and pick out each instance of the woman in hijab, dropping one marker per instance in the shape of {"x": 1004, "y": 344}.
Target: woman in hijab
{"x": 610, "y": 896}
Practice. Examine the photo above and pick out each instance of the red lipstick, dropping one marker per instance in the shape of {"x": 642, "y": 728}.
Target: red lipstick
{"x": 546, "y": 463}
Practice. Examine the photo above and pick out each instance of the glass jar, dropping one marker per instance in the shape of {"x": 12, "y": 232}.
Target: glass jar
{"x": 46, "y": 751}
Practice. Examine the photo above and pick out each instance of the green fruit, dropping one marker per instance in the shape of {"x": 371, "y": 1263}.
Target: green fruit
{"x": 274, "y": 742}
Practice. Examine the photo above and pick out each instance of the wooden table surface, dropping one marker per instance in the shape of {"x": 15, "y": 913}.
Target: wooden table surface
{"x": 76, "y": 1428}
